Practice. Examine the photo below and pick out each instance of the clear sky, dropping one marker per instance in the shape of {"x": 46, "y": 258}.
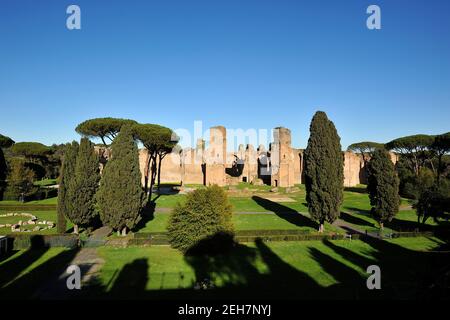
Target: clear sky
{"x": 238, "y": 63}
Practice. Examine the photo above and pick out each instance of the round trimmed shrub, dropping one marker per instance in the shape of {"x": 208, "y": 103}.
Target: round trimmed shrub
{"x": 202, "y": 224}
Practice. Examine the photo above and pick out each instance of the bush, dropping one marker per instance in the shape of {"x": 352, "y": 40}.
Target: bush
{"x": 203, "y": 223}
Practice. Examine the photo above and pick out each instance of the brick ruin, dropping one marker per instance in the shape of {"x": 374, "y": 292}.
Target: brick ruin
{"x": 279, "y": 166}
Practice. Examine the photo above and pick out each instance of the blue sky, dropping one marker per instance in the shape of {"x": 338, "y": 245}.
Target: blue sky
{"x": 238, "y": 63}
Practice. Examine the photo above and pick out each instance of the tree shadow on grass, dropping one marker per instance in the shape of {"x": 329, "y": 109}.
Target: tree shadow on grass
{"x": 6, "y": 255}
{"x": 239, "y": 277}
{"x": 147, "y": 215}
{"x": 257, "y": 272}
{"x": 351, "y": 284}
{"x": 131, "y": 280}
{"x": 355, "y": 220}
{"x": 12, "y": 268}
{"x": 362, "y": 190}
{"x": 364, "y": 212}
{"x": 408, "y": 226}
{"x": 43, "y": 280}
{"x": 286, "y": 213}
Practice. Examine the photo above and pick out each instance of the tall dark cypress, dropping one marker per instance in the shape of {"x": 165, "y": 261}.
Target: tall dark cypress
{"x": 324, "y": 171}
{"x": 383, "y": 187}
{"x": 66, "y": 175}
{"x": 120, "y": 196}
{"x": 83, "y": 186}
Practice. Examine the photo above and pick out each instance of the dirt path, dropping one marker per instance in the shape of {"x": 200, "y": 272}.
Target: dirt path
{"x": 349, "y": 229}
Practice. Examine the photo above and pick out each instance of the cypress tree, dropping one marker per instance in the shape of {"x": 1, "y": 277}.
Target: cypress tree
{"x": 67, "y": 174}
{"x": 5, "y": 142}
{"x": 3, "y": 173}
{"x": 120, "y": 196}
{"x": 383, "y": 187}
{"x": 83, "y": 186}
{"x": 324, "y": 171}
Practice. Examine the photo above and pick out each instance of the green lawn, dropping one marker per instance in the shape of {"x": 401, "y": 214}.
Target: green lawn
{"x": 49, "y": 201}
{"x": 291, "y": 221}
{"x": 310, "y": 269}
{"x": 355, "y": 211}
{"x": 45, "y": 182}
{"x": 281, "y": 270}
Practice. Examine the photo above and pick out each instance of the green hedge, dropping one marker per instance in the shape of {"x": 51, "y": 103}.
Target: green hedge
{"x": 160, "y": 238}
{"x": 149, "y": 235}
{"x": 26, "y": 208}
{"x": 271, "y": 232}
{"x": 26, "y": 241}
{"x": 37, "y": 193}
{"x": 412, "y": 234}
{"x": 299, "y": 237}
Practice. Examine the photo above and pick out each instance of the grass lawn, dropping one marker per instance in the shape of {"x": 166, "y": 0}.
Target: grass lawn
{"x": 355, "y": 210}
{"x": 46, "y": 182}
{"x": 280, "y": 270}
{"x": 262, "y": 221}
{"x": 49, "y": 201}
{"x": 22, "y": 262}
{"x": 284, "y": 270}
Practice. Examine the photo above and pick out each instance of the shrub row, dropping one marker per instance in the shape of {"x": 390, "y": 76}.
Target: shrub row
{"x": 37, "y": 193}
{"x": 25, "y": 241}
{"x": 299, "y": 237}
{"x": 149, "y": 235}
{"x": 412, "y": 234}
{"x": 271, "y": 232}
{"x": 33, "y": 207}
{"x": 160, "y": 238}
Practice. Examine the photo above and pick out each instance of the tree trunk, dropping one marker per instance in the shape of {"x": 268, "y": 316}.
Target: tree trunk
{"x": 75, "y": 228}
{"x": 103, "y": 140}
{"x": 124, "y": 231}
{"x": 159, "y": 172}
{"x": 321, "y": 228}
{"x": 153, "y": 176}
{"x": 433, "y": 168}
{"x": 439, "y": 169}
{"x": 147, "y": 169}
{"x": 416, "y": 165}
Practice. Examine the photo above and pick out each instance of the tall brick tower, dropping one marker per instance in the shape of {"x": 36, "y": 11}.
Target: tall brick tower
{"x": 217, "y": 156}
{"x": 282, "y": 159}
